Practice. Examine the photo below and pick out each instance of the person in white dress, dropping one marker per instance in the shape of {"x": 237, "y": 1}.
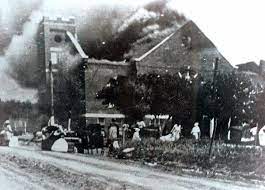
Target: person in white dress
{"x": 196, "y": 132}
{"x": 176, "y": 131}
{"x": 136, "y": 136}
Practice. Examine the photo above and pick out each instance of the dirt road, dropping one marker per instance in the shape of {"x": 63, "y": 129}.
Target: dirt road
{"x": 22, "y": 168}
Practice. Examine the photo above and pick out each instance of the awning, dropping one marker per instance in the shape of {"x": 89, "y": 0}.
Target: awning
{"x": 158, "y": 117}
{"x": 103, "y": 115}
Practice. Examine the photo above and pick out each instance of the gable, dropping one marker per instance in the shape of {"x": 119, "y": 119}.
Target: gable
{"x": 188, "y": 46}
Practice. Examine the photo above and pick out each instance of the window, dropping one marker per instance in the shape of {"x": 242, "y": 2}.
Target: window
{"x": 54, "y": 58}
{"x": 56, "y": 54}
{"x": 57, "y": 38}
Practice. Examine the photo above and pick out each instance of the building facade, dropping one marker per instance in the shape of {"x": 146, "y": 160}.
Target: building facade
{"x": 255, "y": 72}
{"x": 52, "y": 41}
{"x": 187, "y": 46}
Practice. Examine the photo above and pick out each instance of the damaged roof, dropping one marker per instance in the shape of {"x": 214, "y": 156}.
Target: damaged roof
{"x": 186, "y": 46}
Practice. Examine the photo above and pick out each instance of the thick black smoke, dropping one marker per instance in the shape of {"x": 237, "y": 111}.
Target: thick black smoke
{"x": 112, "y": 41}
{"x": 104, "y": 32}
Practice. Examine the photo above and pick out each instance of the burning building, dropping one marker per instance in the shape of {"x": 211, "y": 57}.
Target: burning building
{"x": 187, "y": 46}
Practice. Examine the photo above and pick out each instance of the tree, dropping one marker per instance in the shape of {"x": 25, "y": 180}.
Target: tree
{"x": 185, "y": 97}
{"x": 231, "y": 97}
{"x": 156, "y": 94}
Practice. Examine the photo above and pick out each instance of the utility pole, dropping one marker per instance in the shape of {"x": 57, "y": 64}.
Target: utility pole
{"x": 69, "y": 120}
{"x": 51, "y": 93}
{"x": 27, "y": 121}
{"x": 214, "y": 98}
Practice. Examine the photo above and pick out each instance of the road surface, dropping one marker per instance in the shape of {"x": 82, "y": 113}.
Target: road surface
{"x": 23, "y": 168}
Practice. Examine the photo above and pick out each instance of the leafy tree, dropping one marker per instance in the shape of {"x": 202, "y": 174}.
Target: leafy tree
{"x": 184, "y": 98}
{"x": 153, "y": 94}
{"x": 230, "y": 97}
{"x": 259, "y": 107}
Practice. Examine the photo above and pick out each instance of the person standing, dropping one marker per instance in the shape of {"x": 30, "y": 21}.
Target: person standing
{"x": 196, "y": 132}
{"x": 113, "y": 137}
{"x": 176, "y": 131}
{"x": 8, "y": 129}
{"x": 136, "y": 136}
{"x": 125, "y": 127}
{"x": 6, "y": 133}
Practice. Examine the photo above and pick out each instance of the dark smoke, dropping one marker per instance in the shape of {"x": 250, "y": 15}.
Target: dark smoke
{"x": 119, "y": 39}
{"x": 104, "y": 33}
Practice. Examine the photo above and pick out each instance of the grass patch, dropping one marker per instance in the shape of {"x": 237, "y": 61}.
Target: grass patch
{"x": 185, "y": 153}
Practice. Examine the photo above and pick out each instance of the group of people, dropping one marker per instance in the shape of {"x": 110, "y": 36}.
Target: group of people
{"x": 115, "y": 137}
{"x": 175, "y": 133}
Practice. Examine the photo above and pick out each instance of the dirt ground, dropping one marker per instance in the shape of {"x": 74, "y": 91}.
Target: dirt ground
{"x": 25, "y": 168}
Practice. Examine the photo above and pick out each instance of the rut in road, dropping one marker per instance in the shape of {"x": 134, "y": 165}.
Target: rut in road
{"x": 132, "y": 176}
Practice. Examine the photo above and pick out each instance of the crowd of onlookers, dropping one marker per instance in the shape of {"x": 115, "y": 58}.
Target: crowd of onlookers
{"x": 118, "y": 134}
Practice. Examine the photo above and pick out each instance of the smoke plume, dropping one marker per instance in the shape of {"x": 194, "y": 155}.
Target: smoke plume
{"x": 106, "y": 29}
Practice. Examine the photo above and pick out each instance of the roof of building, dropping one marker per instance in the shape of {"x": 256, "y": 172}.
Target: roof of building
{"x": 251, "y": 63}
{"x": 77, "y": 45}
{"x": 144, "y": 48}
{"x": 154, "y": 48}
{"x": 61, "y": 20}
{"x": 249, "y": 67}
{"x": 107, "y": 62}
{"x": 103, "y": 115}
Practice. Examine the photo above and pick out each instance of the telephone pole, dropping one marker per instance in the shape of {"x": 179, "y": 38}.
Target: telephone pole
{"x": 51, "y": 93}
{"x": 214, "y": 106}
